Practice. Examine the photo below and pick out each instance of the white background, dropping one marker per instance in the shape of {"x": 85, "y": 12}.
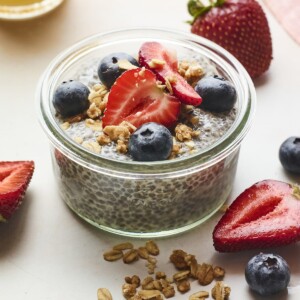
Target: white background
{"x": 46, "y": 252}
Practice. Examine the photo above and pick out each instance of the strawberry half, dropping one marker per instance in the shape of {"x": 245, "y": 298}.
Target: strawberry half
{"x": 136, "y": 98}
{"x": 240, "y": 26}
{"x": 265, "y": 215}
{"x": 164, "y": 64}
{"x": 14, "y": 179}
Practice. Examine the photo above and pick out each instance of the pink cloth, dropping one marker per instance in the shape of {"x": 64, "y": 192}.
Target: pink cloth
{"x": 287, "y": 12}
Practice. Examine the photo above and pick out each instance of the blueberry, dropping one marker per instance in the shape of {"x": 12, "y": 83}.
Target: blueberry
{"x": 267, "y": 274}
{"x": 109, "y": 70}
{"x": 71, "y": 98}
{"x": 150, "y": 142}
{"x": 289, "y": 154}
{"x": 218, "y": 94}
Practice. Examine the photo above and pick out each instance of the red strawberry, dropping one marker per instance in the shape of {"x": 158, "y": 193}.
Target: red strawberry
{"x": 265, "y": 215}
{"x": 153, "y": 51}
{"x": 14, "y": 179}
{"x": 240, "y": 26}
{"x": 136, "y": 98}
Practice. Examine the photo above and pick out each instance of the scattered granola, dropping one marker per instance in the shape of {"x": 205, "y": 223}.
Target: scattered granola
{"x": 160, "y": 286}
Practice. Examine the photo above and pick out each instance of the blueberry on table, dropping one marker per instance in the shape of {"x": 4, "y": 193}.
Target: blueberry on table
{"x": 71, "y": 98}
{"x": 289, "y": 154}
{"x": 109, "y": 68}
{"x": 267, "y": 274}
{"x": 218, "y": 94}
{"x": 150, "y": 142}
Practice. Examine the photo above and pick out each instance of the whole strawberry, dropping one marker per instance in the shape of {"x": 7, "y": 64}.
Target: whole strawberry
{"x": 239, "y": 26}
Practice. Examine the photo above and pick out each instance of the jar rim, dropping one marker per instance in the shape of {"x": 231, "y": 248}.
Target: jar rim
{"x": 214, "y": 153}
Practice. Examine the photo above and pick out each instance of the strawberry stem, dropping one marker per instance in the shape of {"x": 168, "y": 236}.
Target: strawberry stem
{"x": 198, "y": 8}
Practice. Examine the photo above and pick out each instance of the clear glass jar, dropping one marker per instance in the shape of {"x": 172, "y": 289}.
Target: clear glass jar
{"x": 144, "y": 199}
{"x": 26, "y": 9}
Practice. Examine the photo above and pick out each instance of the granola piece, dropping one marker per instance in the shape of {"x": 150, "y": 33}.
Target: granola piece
{"x": 152, "y": 248}
{"x": 160, "y": 275}
{"x": 130, "y": 256}
{"x": 168, "y": 291}
{"x": 104, "y": 294}
{"x": 93, "y": 111}
{"x": 205, "y": 274}
{"x": 102, "y": 105}
{"x": 151, "y": 264}
{"x": 112, "y": 255}
{"x": 123, "y": 246}
{"x": 122, "y": 147}
{"x": 219, "y": 272}
{"x": 117, "y": 132}
{"x": 157, "y": 285}
{"x": 193, "y": 267}
{"x": 202, "y": 295}
{"x": 143, "y": 252}
{"x": 133, "y": 280}
{"x": 181, "y": 275}
{"x": 147, "y": 283}
{"x": 194, "y": 120}
{"x": 130, "y": 126}
{"x": 150, "y": 295}
{"x": 220, "y": 291}
{"x": 94, "y": 125}
{"x": 125, "y": 64}
{"x": 156, "y": 63}
{"x": 176, "y": 150}
{"x": 103, "y": 139}
{"x": 78, "y": 139}
{"x": 185, "y": 133}
{"x": 190, "y": 144}
{"x": 76, "y": 118}
{"x": 128, "y": 290}
{"x": 178, "y": 259}
{"x": 97, "y": 94}
{"x": 65, "y": 125}
{"x": 92, "y": 146}
{"x": 191, "y": 71}
{"x": 169, "y": 86}
{"x": 183, "y": 286}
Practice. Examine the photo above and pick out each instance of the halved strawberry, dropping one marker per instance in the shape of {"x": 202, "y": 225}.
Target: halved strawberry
{"x": 14, "y": 179}
{"x": 265, "y": 215}
{"x": 152, "y": 52}
{"x": 136, "y": 98}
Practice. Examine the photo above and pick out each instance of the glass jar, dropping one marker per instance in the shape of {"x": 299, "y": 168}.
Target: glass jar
{"x": 26, "y": 9}
{"x": 144, "y": 199}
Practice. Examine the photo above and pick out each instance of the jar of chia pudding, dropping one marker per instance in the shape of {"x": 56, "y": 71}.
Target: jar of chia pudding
{"x": 145, "y": 198}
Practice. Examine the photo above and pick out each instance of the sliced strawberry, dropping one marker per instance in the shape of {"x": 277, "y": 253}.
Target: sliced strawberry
{"x": 265, "y": 215}
{"x": 14, "y": 179}
{"x": 153, "y": 51}
{"x": 136, "y": 98}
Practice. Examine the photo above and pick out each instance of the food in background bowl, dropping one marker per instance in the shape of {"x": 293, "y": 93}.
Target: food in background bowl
{"x": 99, "y": 177}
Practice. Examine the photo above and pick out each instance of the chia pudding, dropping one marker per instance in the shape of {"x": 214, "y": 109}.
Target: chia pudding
{"x": 97, "y": 176}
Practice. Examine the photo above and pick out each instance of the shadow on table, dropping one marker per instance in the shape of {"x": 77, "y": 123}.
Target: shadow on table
{"x": 13, "y": 231}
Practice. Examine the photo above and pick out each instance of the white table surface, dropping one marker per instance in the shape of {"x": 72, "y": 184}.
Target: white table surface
{"x": 46, "y": 252}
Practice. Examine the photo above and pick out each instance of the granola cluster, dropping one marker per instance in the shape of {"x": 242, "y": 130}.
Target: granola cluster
{"x": 118, "y": 135}
{"x": 157, "y": 285}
